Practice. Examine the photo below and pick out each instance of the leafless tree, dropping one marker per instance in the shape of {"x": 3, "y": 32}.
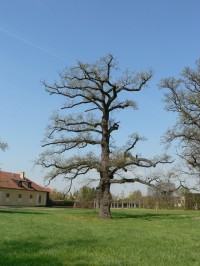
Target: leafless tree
{"x": 3, "y": 145}
{"x": 93, "y": 93}
{"x": 183, "y": 98}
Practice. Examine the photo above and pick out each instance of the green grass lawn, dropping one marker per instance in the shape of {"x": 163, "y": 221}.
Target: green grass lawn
{"x": 47, "y": 236}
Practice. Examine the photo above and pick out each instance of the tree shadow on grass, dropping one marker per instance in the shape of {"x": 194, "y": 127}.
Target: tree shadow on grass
{"x": 20, "y": 211}
{"x": 148, "y": 216}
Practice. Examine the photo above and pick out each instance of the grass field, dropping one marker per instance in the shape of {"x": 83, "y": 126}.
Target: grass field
{"x": 47, "y": 236}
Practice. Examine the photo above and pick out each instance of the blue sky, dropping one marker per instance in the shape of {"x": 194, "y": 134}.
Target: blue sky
{"x": 39, "y": 38}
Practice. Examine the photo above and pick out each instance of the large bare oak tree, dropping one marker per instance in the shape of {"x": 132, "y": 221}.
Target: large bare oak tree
{"x": 183, "y": 98}
{"x": 92, "y": 92}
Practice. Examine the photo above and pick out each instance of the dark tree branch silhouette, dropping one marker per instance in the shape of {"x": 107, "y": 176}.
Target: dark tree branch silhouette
{"x": 3, "y": 145}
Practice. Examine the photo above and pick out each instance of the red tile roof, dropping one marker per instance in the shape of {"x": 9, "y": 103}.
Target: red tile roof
{"x": 14, "y": 181}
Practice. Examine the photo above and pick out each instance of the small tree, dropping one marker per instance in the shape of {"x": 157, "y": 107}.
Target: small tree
{"x": 135, "y": 195}
{"x": 85, "y": 194}
{"x": 163, "y": 188}
{"x": 93, "y": 93}
{"x": 182, "y": 192}
{"x": 183, "y": 98}
{"x": 57, "y": 195}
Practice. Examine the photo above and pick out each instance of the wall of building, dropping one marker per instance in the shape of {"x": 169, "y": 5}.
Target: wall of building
{"x": 14, "y": 197}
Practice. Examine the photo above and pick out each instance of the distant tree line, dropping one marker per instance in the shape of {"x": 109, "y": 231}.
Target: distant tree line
{"x": 87, "y": 197}
{"x": 84, "y": 197}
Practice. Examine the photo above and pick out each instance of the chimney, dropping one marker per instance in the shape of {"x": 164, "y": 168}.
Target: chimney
{"x": 22, "y": 175}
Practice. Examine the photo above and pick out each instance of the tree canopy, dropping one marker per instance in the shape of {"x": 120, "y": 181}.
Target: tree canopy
{"x": 135, "y": 195}
{"x": 94, "y": 93}
{"x": 85, "y": 194}
{"x": 183, "y": 98}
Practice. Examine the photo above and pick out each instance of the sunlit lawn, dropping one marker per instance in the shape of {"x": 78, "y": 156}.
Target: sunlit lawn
{"x": 42, "y": 236}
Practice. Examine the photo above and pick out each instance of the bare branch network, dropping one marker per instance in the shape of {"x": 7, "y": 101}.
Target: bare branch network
{"x": 91, "y": 85}
{"x": 183, "y": 98}
{"x": 92, "y": 93}
{"x": 3, "y": 145}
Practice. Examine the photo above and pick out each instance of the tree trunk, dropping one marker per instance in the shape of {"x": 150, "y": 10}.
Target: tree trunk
{"x": 105, "y": 201}
{"x": 104, "y": 195}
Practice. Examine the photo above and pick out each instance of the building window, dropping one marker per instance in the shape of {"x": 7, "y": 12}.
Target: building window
{"x": 20, "y": 183}
{"x": 31, "y": 196}
{"x": 20, "y": 196}
{"x": 40, "y": 199}
{"x": 7, "y": 195}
